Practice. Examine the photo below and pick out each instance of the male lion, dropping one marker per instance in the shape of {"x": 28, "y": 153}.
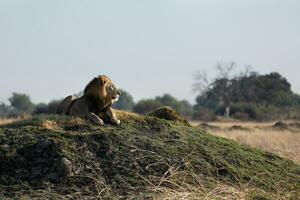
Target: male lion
{"x": 98, "y": 97}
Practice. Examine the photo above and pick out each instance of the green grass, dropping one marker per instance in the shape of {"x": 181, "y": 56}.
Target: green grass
{"x": 118, "y": 161}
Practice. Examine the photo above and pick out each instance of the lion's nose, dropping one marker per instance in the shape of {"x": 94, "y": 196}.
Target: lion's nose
{"x": 119, "y": 93}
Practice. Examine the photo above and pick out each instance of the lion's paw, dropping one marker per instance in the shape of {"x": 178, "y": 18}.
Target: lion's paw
{"x": 116, "y": 121}
{"x": 100, "y": 122}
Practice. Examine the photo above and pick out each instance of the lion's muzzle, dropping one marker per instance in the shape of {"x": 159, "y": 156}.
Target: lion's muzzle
{"x": 115, "y": 98}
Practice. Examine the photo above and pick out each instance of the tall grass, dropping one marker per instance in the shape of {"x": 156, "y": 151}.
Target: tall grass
{"x": 284, "y": 142}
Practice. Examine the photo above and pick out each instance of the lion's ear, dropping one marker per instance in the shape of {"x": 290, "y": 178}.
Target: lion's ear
{"x": 103, "y": 81}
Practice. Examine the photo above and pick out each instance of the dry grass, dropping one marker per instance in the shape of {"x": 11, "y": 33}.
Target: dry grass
{"x": 220, "y": 192}
{"x": 6, "y": 121}
{"x": 284, "y": 142}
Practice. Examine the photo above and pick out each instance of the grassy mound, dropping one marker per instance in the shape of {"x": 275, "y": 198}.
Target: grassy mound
{"x": 54, "y": 157}
{"x": 166, "y": 112}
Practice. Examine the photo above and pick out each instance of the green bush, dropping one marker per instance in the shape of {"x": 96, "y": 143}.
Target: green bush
{"x": 183, "y": 107}
{"x": 21, "y": 103}
{"x": 50, "y": 108}
{"x": 204, "y": 114}
{"x": 5, "y": 110}
{"x": 125, "y": 101}
{"x": 146, "y": 106}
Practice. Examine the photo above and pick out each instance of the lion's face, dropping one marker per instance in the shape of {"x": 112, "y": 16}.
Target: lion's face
{"x": 112, "y": 91}
{"x": 103, "y": 88}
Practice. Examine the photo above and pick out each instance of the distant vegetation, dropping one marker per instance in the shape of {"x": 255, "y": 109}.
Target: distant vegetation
{"x": 19, "y": 104}
{"x": 145, "y": 106}
{"x": 247, "y": 96}
{"x": 125, "y": 101}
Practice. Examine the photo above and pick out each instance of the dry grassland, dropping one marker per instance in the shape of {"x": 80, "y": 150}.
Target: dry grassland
{"x": 282, "y": 139}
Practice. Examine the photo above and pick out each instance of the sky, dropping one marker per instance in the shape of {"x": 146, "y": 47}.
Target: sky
{"x": 50, "y": 49}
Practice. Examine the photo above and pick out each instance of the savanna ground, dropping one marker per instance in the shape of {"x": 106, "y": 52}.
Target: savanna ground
{"x": 279, "y": 137}
{"x": 168, "y": 160}
{"x": 282, "y": 139}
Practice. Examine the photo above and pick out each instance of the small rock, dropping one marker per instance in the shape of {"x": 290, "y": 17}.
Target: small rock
{"x": 64, "y": 167}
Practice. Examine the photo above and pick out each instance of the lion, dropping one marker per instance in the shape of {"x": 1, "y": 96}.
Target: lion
{"x": 98, "y": 97}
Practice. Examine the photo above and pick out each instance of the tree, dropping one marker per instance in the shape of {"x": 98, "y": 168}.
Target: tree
{"x": 125, "y": 101}
{"x": 186, "y": 109}
{"x": 183, "y": 107}
{"x": 263, "y": 90}
{"x": 21, "y": 102}
{"x": 273, "y": 89}
{"x": 219, "y": 89}
{"x": 50, "y": 108}
{"x": 146, "y": 106}
{"x": 247, "y": 94}
{"x": 40, "y": 108}
{"x": 168, "y": 100}
{"x": 5, "y": 110}
{"x": 206, "y": 101}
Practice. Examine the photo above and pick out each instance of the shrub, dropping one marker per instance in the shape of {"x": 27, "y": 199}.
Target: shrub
{"x": 21, "y": 103}
{"x": 185, "y": 109}
{"x": 204, "y": 114}
{"x": 241, "y": 116}
{"x": 50, "y": 108}
{"x": 5, "y": 110}
{"x": 125, "y": 101}
{"x": 146, "y": 106}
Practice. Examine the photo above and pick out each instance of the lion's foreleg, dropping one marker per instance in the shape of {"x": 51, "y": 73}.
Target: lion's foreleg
{"x": 112, "y": 116}
{"x": 96, "y": 119}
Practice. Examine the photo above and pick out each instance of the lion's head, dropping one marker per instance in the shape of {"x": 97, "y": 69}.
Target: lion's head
{"x": 104, "y": 89}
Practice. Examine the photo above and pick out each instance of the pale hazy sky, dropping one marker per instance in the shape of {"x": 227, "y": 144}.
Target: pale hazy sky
{"x": 52, "y": 48}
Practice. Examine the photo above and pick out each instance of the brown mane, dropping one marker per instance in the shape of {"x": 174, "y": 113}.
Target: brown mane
{"x": 95, "y": 93}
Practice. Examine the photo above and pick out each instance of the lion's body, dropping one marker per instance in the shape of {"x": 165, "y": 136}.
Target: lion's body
{"x": 99, "y": 95}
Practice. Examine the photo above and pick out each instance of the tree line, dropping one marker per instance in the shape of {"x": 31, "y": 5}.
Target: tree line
{"x": 22, "y": 104}
{"x": 246, "y": 95}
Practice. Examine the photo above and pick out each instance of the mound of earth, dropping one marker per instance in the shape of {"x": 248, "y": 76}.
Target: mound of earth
{"x": 295, "y": 125}
{"x": 207, "y": 126}
{"x": 167, "y": 113}
{"x": 56, "y": 157}
{"x": 280, "y": 125}
{"x": 238, "y": 128}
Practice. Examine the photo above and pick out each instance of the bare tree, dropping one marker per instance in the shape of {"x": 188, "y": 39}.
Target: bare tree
{"x": 247, "y": 71}
{"x": 225, "y": 69}
{"x": 218, "y": 87}
{"x": 202, "y": 83}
